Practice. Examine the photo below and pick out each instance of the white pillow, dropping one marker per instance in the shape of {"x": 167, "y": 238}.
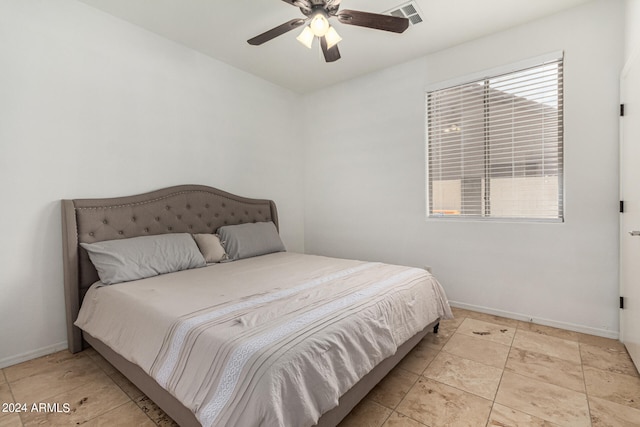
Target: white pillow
{"x": 136, "y": 258}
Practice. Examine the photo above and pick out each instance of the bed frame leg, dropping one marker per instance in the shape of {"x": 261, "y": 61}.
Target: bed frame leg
{"x": 436, "y": 328}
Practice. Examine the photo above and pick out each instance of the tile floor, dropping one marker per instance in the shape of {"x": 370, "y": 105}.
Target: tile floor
{"x": 480, "y": 370}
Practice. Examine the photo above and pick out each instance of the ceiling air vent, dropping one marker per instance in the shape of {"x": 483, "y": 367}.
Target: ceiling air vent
{"x": 408, "y": 10}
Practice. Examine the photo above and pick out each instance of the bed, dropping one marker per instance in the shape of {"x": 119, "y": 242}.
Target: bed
{"x": 310, "y": 385}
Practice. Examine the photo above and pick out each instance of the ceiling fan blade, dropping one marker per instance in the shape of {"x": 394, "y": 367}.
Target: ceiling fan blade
{"x": 330, "y": 55}
{"x": 275, "y": 32}
{"x": 373, "y": 20}
{"x": 303, "y": 4}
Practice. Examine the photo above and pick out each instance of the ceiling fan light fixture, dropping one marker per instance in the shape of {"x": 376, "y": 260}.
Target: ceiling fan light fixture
{"x": 306, "y": 37}
{"x": 319, "y": 23}
{"x": 332, "y": 37}
{"x": 317, "y": 14}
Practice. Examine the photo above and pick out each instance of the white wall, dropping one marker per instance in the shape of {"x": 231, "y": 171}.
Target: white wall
{"x": 365, "y": 178}
{"x": 632, "y": 28}
{"x": 91, "y": 106}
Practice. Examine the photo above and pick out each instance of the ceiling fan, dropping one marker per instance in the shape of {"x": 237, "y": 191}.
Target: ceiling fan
{"x": 318, "y": 13}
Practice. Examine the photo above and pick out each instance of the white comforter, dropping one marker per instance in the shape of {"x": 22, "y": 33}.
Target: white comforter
{"x": 273, "y": 340}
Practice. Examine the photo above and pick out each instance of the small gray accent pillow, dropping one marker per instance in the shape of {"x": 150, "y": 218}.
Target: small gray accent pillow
{"x": 251, "y": 239}
{"x": 136, "y": 258}
{"x": 211, "y": 248}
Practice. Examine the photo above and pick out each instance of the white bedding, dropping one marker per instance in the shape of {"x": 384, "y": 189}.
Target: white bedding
{"x": 273, "y": 340}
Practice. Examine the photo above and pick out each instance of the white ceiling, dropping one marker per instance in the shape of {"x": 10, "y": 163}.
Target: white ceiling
{"x": 220, "y": 29}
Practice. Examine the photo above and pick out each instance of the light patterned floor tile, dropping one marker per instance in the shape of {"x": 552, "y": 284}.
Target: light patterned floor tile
{"x": 608, "y": 359}
{"x": 102, "y": 362}
{"x": 419, "y": 358}
{"x": 89, "y": 351}
{"x": 10, "y": 420}
{"x": 477, "y": 349}
{"x": 61, "y": 378}
{"x": 390, "y": 391}
{"x": 440, "y": 339}
{"x": 550, "y": 331}
{"x": 436, "y": 404}
{"x": 6, "y": 398}
{"x": 460, "y": 312}
{"x": 399, "y": 420}
{"x": 464, "y": 374}
{"x": 545, "y": 368}
{"x": 618, "y": 388}
{"x": 452, "y": 323}
{"x": 501, "y": 416}
{"x": 489, "y": 331}
{"x": 600, "y": 341}
{"x": 85, "y": 402}
{"x": 366, "y": 414}
{"x": 610, "y": 414}
{"x": 51, "y": 362}
{"x": 5, "y": 395}
{"x": 551, "y": 346}
{"x": 546, "y": 401}
{"x": 3, "y": 380}
{"x": 127, "y": 386}
{"x": 490, "y": 318}
{"x": 125, "y": 415}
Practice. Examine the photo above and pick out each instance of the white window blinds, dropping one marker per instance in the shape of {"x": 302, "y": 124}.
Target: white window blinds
{"x": 495, "y": 146}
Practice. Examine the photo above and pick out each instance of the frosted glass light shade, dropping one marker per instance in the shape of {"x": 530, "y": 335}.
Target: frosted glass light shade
{"x": 306, "y": 37}
{"x": 332, "y": 37}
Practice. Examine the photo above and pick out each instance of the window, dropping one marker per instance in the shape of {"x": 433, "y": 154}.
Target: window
{"x": 495, "y": 146}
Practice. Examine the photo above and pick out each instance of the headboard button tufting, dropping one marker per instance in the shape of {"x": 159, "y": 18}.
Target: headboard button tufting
{"x": 104, "y": 221}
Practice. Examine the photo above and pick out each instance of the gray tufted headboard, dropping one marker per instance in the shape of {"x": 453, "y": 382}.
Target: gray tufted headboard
{"x": 180, "y": 209}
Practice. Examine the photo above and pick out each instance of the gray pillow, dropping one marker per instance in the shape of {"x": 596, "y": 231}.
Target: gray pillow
{"x": 251, "y": 239}
{"x": 136, "y": 258}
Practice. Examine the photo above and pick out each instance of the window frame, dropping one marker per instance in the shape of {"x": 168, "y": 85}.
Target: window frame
{"x": 490, "y": 74}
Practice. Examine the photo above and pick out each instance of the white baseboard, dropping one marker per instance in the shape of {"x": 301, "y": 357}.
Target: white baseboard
{"x": 540, "y": 321}
{"x": 33, "y": 354}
